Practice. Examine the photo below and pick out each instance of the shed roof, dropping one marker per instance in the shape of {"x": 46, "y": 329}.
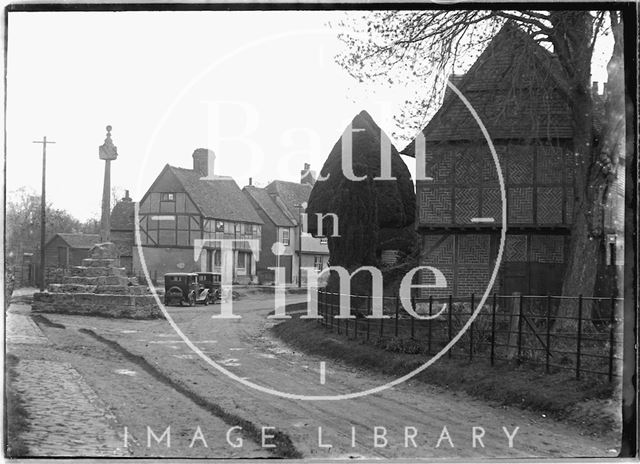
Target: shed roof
{"x": 291, "y": 194}
{"x": 268, "y": 205}
{"x": 219, "y": 198}
{"x": 82, "y": 241}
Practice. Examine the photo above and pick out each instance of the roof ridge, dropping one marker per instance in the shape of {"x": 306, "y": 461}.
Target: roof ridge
{"x": 508, "y": 28}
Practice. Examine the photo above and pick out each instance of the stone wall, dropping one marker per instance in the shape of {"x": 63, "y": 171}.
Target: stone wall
{"x": 98, "y": 288}
{"x": 93, "y": 304}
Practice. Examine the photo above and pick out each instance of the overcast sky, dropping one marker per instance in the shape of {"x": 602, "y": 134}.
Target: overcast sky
{"x": 261, "y": 89}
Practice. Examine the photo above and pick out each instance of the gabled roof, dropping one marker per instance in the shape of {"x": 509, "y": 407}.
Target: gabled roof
{"x": 517, "y": 89}
{"x": 220, "y": 198}
{"x": 122, "y": 215}
{"x": 81, "y": 241}
{"x": 268, "y": 205}
{"x": 291, "y": 194}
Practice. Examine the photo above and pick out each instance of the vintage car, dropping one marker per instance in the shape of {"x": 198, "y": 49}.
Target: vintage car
{"x": 180, "y": 287}
{"x": 209, "y": 284}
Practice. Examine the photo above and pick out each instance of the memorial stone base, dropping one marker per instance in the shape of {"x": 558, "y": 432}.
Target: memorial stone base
{"x": 98, "y": 288}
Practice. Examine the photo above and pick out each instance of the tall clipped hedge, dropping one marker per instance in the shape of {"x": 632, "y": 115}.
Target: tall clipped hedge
{"x": 365, "y": 207}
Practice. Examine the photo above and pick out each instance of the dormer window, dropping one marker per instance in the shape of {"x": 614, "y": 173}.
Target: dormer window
{"x": 165, "y": 196}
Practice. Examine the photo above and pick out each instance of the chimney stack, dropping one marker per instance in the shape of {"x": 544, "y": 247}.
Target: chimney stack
{"x": 307, "y": 176}
{"x": 250, "y": 181}
{"x": 126, "y": 196}
{"x": 203, "y": 162}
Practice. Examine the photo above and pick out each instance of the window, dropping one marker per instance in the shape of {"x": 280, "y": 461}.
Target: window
{"x": 317, "y": 262}
{"x": 165, "y": 196}
{"x": 285, "y": 236}
{"x": 219, "y": 226}
{"x": 242, "y": 259}
{"x": 217, "y": 262}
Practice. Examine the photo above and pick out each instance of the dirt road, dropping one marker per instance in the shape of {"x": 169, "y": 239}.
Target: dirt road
{"x": 412, "y": 420}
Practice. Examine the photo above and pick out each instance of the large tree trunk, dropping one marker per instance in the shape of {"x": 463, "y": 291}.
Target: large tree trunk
{"x": 595, "y": 171}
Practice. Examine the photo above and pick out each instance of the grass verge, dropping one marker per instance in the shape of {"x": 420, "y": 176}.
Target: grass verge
{"x": 16, "y": 418}
{"x": 559, "y": 396}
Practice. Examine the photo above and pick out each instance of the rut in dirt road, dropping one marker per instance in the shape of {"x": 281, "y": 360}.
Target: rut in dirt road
{"x": 145, "y": 400}
{"x": 284, "y": 447}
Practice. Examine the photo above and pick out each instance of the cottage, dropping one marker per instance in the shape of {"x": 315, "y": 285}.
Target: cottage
{"x": 278, "y": 227}
{"x": 281, "y": 205}
{"x": 311, "y": 252}
{"x": 65, "y": 250}
{"x": 515, "y": 89}
{"x": 185, "y": 205}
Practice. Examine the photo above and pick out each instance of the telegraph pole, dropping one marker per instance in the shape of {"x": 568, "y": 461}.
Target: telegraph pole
{"x": 43, "y": 208}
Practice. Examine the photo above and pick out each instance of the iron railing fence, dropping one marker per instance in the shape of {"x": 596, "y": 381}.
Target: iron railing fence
{"x": 526, "y": 329}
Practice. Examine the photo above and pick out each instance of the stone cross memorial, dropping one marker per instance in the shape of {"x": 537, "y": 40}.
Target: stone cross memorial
{"x": 107, "y": 152}
{"x": 100, "y": 286}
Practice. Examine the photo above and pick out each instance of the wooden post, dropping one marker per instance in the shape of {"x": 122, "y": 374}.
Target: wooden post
{"x": 579, "y": 337}
{"x": 548, "y": 333}
{"x": 473, "y": 302}
{"x": 397, "y": 308}
{"x": 449, "y": 322}
{"x": 612, "y": 324}
{"x": 43, "y": 211}
{"x": 520, "y": 308}
{"x": 493, "y": 329}
{"x": 512, "y": 339}
{"x": 429, "y": 322}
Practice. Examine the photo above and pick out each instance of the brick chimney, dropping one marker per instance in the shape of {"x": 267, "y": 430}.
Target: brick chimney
{"x": 307, "y": 176}
{"x": 203, "y": 162}
{"x": 126, "y": 196}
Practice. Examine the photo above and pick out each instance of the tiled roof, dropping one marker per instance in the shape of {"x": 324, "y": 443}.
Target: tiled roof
{"x": 290, "y": 193}
{"x": 122, "y": 215}
{"x": 516, "y": 88}
{"x": 83, "y": 241}
{"x": 219, "y": 198}
{"x": 268, "y": 205}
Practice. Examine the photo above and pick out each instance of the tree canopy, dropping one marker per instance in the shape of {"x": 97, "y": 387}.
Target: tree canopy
{"x": 23, "y": 223}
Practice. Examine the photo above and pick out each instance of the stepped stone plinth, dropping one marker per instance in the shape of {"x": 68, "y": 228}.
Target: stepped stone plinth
{"x": 98, "y": 288}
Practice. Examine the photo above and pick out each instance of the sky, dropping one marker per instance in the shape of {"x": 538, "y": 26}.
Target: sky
{"x": 261, "y": 89}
